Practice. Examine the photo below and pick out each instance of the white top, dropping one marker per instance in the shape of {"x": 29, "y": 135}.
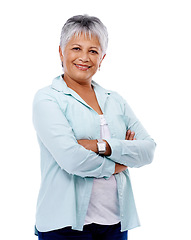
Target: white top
{"x": 104, "y": 204}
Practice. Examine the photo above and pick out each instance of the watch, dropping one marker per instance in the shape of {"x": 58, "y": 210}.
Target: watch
{"x": 101, "y": 145}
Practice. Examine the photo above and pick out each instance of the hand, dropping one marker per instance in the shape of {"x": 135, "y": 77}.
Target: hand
{"x": 130, "y": 135}
{"x": 119, "y": 168}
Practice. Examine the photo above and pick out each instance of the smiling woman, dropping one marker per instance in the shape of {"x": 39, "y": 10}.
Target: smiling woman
{"x": 88, "y": 138}
{"x": 81, "y": 58}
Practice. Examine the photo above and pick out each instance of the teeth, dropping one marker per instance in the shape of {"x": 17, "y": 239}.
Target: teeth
{"x": 83, "y": 67}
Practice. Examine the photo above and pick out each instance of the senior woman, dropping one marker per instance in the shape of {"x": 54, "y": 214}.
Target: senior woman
{"x": 88, "y": 136}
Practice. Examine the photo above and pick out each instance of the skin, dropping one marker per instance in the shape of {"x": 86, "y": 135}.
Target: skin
{"x": 81, "y": 59}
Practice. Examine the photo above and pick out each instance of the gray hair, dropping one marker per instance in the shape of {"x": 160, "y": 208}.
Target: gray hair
{"x": 88, "y": 25}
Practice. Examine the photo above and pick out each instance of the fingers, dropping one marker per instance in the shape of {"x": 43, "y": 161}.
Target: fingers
{"x": 130, "y": 135}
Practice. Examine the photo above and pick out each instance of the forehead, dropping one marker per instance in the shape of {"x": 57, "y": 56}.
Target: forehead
{"x": 85, "y": 40}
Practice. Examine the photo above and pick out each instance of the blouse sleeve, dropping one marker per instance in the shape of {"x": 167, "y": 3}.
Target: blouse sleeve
{"x": 132, "y": 153}
{"x": 57, "y": 136}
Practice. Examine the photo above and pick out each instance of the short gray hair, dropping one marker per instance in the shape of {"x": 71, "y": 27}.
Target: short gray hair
{"x": 91, "y": 26}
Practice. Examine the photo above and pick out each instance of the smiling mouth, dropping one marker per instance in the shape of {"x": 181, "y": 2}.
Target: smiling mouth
{"x": 82, "y": 67}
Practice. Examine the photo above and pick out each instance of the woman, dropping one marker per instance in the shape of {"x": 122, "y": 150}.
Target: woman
{"x": 87, "y": 140}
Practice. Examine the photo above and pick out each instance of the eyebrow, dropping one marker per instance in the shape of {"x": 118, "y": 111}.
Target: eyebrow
{"x": 81, "y": 46}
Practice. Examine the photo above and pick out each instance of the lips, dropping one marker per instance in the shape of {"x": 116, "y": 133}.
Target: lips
{"x": 82, "y": 67}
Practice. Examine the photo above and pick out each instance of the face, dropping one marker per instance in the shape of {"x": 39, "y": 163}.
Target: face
{"x": 82, "y": 57}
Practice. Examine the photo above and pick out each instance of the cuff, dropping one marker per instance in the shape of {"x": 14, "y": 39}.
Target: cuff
{"x": 116, "y": 150}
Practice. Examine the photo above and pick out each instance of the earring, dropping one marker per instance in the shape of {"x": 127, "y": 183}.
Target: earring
{"x": 62, "y": 64}
{"x": 99, "y": 68}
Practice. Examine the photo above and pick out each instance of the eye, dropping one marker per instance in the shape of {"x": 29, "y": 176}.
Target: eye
{"x": 94, "y": 51}
{"x": 76, "y": 48}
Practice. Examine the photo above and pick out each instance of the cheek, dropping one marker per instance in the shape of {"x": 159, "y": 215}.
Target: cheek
{"x": 96, "y": 62}
{"x": 67, "y": 61}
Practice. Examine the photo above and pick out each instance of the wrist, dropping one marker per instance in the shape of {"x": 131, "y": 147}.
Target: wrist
{"x": 103, "y": 148}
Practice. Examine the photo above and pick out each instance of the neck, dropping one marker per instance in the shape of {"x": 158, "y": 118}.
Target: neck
{"x": 77, "y": 85}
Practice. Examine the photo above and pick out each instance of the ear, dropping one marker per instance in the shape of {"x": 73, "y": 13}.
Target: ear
{"x": 61, "y": 55}
{"x": 102, "y": 60}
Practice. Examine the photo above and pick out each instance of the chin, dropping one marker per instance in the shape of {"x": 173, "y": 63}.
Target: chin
{"x": 84, "y": 75}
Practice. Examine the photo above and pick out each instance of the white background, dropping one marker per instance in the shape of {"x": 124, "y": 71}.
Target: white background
{"x": 148, "y": 62}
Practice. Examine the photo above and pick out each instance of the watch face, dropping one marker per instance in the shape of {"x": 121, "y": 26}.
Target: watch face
{"x": 102, "y": 147}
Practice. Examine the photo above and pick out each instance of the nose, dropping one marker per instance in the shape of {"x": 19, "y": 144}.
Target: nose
{"x": 84, "y": 57}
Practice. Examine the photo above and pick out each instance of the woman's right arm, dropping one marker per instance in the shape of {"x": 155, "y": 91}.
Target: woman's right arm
{"x": 57, "y": 136}
{"x": 119, "y": 167}
{"x": 132, "y": 153}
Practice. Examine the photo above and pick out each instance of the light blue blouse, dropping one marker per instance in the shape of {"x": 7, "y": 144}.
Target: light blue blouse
{"x": 60, "y": 118}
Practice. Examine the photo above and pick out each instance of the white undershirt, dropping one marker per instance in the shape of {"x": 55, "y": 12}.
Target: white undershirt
{"x": 104, "y": 205}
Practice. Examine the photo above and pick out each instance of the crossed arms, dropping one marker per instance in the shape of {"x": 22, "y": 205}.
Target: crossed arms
{"x": 92, "y": 145}
{"x": 56, "y": 135}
